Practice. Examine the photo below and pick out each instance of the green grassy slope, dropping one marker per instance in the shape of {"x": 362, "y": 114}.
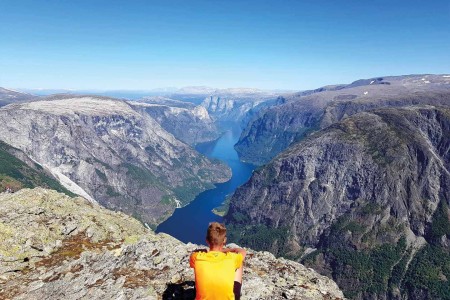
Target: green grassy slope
{"x": 15, "y": 174}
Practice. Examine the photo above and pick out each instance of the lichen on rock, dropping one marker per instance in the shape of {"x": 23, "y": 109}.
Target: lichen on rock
{"x": 57, "y": 247}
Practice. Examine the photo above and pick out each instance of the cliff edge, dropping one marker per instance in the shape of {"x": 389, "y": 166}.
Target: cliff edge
{"x": 58, "y": 247}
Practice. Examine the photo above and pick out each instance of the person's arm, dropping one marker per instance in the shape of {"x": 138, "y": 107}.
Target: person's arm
{"x": 235, "y": 250}
{"x": 192, "y": 260}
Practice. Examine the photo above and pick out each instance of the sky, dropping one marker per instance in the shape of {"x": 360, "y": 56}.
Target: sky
{"x": 142, "y": 45}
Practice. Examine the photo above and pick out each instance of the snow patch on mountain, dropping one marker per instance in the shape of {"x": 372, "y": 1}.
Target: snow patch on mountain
{"x": 69, "y": 184}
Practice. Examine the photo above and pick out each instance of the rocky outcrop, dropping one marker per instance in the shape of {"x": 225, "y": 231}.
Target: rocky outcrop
{"x": 300, "y": 114}
{"x": 189, "y": 123}
{"x": 105, "y": 150}
{"x": 57, "y": 247}
{"x": 361, "y": 197}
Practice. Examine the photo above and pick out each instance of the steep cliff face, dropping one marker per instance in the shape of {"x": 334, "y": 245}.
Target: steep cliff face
{"x": 56, "y": 247}
{"x": 189, "y": 123}
{"x": 103, "y": 149}
{"x": 365, "y": 193}
{"x": 231, "y": 107}
{"x": 304, "y": 112}
{"x": 18, "y": 171}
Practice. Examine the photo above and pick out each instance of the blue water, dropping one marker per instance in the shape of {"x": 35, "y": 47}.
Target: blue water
{"x": 189, "y": 223}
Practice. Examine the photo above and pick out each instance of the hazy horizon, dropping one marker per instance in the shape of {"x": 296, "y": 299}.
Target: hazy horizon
{"x": 145, "y": 45}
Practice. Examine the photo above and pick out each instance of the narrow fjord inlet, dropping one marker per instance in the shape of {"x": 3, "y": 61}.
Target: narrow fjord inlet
{"x": 188, "y": 223}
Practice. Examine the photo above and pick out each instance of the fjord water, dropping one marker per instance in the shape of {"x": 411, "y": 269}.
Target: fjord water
{"x": 189, "y": 223}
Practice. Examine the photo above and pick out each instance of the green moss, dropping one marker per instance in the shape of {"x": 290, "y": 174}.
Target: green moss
{"x": 7, "y": 233}
{"x": 107, "y": 228}
{"x": 132, "y": 239}
{"x": 150, "y": 292}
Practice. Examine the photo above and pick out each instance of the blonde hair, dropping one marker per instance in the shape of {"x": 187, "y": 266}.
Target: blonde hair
{"x": 216, "y": 234}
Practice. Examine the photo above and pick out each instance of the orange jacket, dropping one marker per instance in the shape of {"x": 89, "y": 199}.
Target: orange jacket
{"x": 214, "y": 274}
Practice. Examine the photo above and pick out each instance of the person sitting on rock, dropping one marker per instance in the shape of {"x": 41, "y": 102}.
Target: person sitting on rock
{"x": 218, "y": 272}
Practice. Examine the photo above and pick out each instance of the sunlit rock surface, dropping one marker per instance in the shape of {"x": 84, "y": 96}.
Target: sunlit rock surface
{"x": 301, "y": 113}
{"x": 57, "y": 247}
{"x": 189, "y": 123}
{"x": 368, "y": 197}
{"x": 109, "y": 152}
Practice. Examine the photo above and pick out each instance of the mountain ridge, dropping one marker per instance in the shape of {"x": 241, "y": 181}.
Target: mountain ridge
{"x": 299, "y": 114}
{"x": 8, "y": 96}
{"x": 105, "y": 150}
{"x": 355, "y": 199}
{"x": 188, "y": 122}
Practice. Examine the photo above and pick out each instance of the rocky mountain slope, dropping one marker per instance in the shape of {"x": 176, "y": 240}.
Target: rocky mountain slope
{"x": 9, "y": 96}
{"x": 189, "y": 123}
{"x": 236, "y": 105}
{"x": 105, "y": 150}
{"x": 300, "y": 114}
{"x": 226, "y": 107}
{"x": 57, "y": 247}
{"x": 18, "y": 171}
{"x": 367, "y": 198}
